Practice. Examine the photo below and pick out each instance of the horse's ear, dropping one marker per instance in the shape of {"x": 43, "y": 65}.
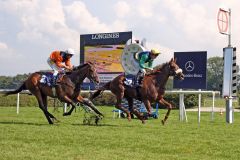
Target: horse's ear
{"x": 175, "y": 60}
{"x": 89, "y": 62}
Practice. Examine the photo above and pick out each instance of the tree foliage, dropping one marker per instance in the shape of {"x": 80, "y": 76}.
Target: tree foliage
{"x": 7, "y": 82}
{"x": 214, "y": 73}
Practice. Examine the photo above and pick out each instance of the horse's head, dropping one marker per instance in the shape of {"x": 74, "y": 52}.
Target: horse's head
{"x": 175, "y": 70}
{"x": 88, "y": 70}
{"x": 92, "y": 73}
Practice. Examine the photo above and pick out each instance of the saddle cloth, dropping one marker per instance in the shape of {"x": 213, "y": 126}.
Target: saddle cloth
{"x": 130, "y": 80}
{"x": 47, "y": 78}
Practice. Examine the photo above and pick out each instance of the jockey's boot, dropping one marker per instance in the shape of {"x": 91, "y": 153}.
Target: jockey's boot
{"x": 139, "y": 81}
{"x": 55, "y": 81}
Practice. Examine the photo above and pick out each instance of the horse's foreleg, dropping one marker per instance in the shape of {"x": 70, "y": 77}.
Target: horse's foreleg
{"x": 169, "y": 106}
{"x": 87, "y": 102}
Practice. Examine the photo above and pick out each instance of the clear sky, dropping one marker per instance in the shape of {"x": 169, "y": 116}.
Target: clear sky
{"x": 31, "y": 29}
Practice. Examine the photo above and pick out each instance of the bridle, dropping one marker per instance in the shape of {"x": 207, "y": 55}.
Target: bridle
{"x": 91, "y": 76}
{"x": 174, "y": 72}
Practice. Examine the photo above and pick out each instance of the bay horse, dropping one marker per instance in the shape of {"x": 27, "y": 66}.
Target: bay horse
{"x": 67, "y": 90}
{"x": 152, "y": 90}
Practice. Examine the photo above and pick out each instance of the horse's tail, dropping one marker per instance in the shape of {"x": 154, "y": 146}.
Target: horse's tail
{"x": 22, "y": 87}
{"x": 100, "y": 90}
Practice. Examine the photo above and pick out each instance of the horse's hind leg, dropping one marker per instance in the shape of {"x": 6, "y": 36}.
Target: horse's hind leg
{"x": 169, "y": 106}
{"x": 44, "y": 98}
{"x": 148, "y": 106}
{"x": 119, "y": 106}
{"x": 118, "y": 91}
{"x": 42, "y": 107}
{"x": 134, "y": 111}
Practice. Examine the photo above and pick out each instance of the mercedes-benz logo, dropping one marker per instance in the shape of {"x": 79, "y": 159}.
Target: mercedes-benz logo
{"x": 189, "y": 66}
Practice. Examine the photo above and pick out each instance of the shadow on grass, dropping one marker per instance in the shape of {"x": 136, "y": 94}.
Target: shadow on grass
{"x": 94, "y": 125}
{"x": 24, "y": 123}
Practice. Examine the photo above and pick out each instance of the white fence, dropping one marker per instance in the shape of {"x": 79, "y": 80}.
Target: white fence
{"x": 182, "y": 110}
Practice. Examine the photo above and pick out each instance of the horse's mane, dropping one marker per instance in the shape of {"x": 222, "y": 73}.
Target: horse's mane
{"x": 157, "y": 68}
{"x": 79, "y": 67}
{"x": 82, "y": 65}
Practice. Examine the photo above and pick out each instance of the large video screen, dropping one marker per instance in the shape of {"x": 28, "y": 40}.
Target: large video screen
{"x": 107, "y": 58}
{"x": 105, "y": 50}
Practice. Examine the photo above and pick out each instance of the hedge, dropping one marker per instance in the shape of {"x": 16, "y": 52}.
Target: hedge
{"x": 106, "y": 99}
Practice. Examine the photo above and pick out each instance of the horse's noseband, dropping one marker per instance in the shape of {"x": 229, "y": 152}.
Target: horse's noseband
{"x": 175, "y": 72}
{"x": 179, "y": 70}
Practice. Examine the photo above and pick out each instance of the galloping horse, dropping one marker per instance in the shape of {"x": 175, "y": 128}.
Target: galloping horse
{"x": 67, "y": 91}
{"x": 152, "y": 90}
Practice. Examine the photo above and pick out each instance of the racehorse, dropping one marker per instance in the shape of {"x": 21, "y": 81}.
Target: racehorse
{"x": 67, "y": 90}
{"x": 152, "y": 90}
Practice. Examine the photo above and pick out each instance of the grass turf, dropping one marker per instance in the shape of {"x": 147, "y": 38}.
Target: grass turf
{"x": 28, "y": 136}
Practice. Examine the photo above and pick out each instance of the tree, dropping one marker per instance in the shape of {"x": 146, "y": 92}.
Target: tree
{"x": 214, "y": 73}
{"x": 7, "y": 82}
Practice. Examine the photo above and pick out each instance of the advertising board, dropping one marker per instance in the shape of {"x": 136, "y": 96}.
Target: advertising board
{"x": 194, "y": 66}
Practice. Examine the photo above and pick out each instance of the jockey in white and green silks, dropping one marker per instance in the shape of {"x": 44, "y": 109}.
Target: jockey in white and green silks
{"x": 145, "y": 59}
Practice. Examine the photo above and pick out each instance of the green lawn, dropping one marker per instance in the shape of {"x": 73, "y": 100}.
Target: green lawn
{"x": 28, "y": 136}
{"x": 219, "y": 102}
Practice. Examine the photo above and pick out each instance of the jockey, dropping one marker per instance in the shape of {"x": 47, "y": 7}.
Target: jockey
{"x": 59, "y": 61}
{"x": 145, "y": 60}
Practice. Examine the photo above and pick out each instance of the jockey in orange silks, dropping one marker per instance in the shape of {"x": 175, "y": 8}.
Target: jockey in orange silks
{"x": 59, "y": 61}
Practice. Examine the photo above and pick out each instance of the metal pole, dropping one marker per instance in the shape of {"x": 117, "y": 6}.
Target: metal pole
{"x": 185, "y": 113}
{"x": 229, "y": 30}
{"x": 199, "y": 106}
{"x": 18, "y": 103}
{"x": 65, "y": 108}
{"x": 213, "y": 104}
{"x": 229, "y": 110}
{"x": 229, "y": 107}
{"x": 181, "y": 102}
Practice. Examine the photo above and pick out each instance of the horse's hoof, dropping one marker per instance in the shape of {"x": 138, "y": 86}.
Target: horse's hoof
{"x": 129, "y": 119}
{"x": 163, "y": 122}
{"x": 65, "y": 114}
{"x": 101, "y": 115}
{"x": 56, "y": 120}
{"x": 97, "y": 120}
{"x": 143, "y": 122}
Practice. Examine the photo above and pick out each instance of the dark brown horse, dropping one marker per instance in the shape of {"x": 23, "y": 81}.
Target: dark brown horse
{"x": 152, "y": 90}
{"x": 67, "y": 91}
